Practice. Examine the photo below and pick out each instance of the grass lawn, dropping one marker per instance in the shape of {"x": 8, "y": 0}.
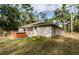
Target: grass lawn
{"x": 57, "y": 45}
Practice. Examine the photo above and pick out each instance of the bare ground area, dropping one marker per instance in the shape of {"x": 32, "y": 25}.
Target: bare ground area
{"x": 71, "y": 35}
{"x": 67, "y": 44}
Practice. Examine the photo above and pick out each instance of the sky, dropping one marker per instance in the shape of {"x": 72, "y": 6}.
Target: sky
{"x": 47, "y": 8}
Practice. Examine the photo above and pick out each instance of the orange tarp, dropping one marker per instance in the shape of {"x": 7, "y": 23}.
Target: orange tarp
{"x": 19, "y": 35}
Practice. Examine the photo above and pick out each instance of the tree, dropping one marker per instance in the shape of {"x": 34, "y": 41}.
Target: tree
{"x": 73, "y": 14}
{"x": 13, "y": 16}
{"x": 9, "y": 16}
{"x": 67, "y": 14}
{"x": 43, "y": 16}
{"x": 27, "y": 15}
{"x": 76, "y": 19}
{"x": 62, "y": 16}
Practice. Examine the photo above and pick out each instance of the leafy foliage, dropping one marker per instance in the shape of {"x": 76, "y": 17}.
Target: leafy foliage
{"x": 9, "y": 16}
{"x": 12, "y": 16}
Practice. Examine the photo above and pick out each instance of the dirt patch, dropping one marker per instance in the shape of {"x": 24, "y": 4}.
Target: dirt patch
{"x": 71, "y": 35}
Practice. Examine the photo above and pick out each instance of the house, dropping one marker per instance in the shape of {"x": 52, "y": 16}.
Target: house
{"x": 47, "y": 29}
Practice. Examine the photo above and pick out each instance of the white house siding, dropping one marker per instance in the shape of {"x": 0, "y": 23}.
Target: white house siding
{"x": 47, "y": 31}
{"x": 56, "y": 31}
{"x": 20, "y": 30}
{"x": 60, "y": 32}
{"x": 29, "y": 31}
{"x": 43, "y": 31}
{"x": 35, "y": 31}
{"x": 53, "y": 31}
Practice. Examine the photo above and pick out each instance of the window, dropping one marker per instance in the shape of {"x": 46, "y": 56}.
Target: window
{"x": 54, "y": 31}
{"x": 35, "y": 27}
{"x": 30, "y": 29}
{"x": 24, "y": 30}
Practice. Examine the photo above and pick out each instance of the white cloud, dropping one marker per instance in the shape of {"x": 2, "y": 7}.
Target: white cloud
{"x": 45, "y": 7}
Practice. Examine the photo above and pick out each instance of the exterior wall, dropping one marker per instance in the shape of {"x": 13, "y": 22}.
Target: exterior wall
{"x": 29, "y": 31}
{"x": 47, "y": 31}
{"x": 43, "y": 31}
{"x": 56, "y": 31}
{"x": 20, "y": 30}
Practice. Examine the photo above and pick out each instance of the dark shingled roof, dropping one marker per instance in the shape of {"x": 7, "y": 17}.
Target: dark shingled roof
{"x": 41, "y": 24}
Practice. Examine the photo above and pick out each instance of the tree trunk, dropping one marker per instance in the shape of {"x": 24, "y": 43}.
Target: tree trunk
{"x": 71, "y": 22}
{"x": 64, "y": 27}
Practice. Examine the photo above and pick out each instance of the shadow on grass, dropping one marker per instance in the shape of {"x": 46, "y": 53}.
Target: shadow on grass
{"x": 41, "y": 46}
